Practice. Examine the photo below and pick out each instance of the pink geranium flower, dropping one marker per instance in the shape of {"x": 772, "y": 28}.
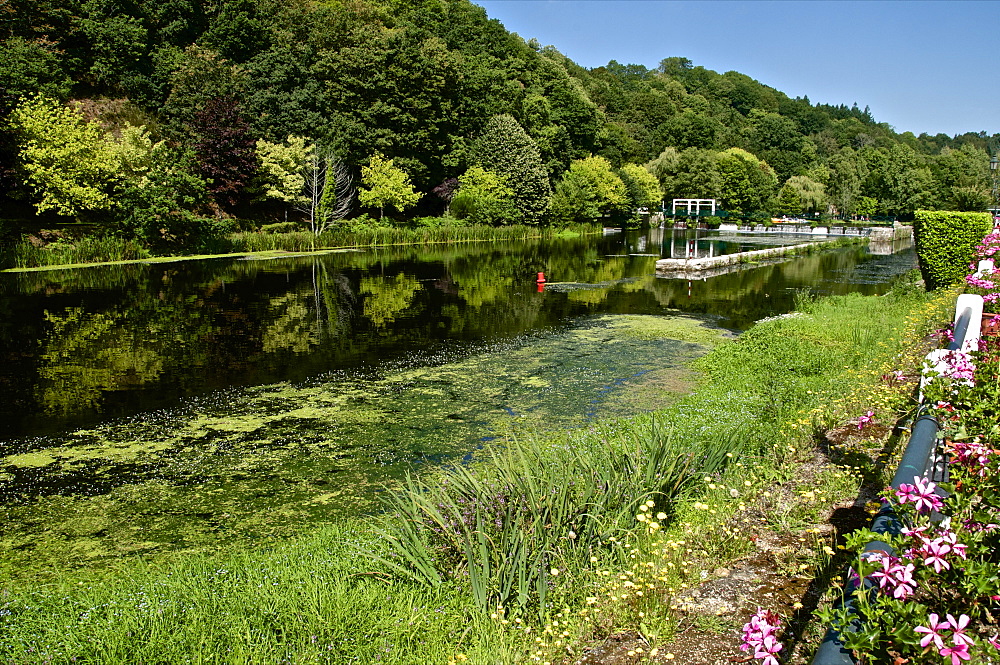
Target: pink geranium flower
{"x": 932, "y": 631}
{"x": 920, "y": 494}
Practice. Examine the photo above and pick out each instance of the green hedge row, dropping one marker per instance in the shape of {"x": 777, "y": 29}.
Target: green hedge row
{"x": 946, "y": 242}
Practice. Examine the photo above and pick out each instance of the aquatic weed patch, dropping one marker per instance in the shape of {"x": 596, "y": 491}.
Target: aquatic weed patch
{"x": 268, "y": 461}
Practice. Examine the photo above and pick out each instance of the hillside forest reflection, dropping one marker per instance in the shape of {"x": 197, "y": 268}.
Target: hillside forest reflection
{"x": 83, "y": 346}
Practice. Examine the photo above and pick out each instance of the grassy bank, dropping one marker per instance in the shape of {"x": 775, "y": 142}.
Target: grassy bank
{"x": 112, "y": 249}
{"x": 555, "y": 544}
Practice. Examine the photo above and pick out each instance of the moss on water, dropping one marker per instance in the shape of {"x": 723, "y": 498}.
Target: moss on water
{"x": 271, "y": 461}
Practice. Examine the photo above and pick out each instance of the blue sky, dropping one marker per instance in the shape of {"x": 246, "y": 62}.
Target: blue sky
{"x": 921, "y": 66}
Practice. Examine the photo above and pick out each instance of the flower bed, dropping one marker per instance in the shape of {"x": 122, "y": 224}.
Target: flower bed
{"x": 933, "y": 596}
{"x": 928, "y": 591}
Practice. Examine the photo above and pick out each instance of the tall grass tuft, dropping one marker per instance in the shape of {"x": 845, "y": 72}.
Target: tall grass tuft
{"x": 536, "y": 509}
{"x": 89, "y": 249}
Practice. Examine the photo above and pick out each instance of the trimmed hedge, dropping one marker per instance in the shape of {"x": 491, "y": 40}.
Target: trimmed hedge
{"x": 946, "y": 241}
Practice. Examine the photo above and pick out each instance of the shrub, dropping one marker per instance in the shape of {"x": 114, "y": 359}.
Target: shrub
{"x": 281, "y": 227}
{"x": 946, "y": 241}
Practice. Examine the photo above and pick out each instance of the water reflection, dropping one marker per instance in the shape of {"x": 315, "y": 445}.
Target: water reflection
{"x": 81, "y": 346}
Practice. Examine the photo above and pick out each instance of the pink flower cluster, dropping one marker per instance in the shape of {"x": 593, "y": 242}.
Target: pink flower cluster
{"x": 920, "y": 494}
{"x": 934, "y": 633}
{"x": 973, "y": 455}
{"x": 986, "y": 281}
{"x": 760, "y": 636}
{"x": 895, "y": 578}
{"x": 866, "y": 420}
{"x": 989, "y": 246}
{"x": 959, "y": 366}
{"x": 934, "y": 550}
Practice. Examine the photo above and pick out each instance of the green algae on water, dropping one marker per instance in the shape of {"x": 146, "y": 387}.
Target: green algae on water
{"x": 270, "y": 461}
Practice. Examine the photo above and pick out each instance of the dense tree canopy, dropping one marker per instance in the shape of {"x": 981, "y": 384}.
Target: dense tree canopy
{"x": 439, "y": 89}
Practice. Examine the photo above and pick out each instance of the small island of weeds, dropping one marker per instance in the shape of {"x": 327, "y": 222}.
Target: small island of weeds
{"x": 635, "y": 540}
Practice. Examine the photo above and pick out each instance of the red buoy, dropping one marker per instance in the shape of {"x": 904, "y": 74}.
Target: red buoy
{"x": 541, "y": 278}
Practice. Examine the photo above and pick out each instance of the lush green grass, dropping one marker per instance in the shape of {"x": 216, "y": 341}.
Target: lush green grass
{"x": 566, "y": 527}
{"x": 310, "y": 600}
{"x": 89, "y": 249}
{"x": 371, "y": 236}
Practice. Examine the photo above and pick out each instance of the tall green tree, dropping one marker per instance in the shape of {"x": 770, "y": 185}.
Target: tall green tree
{"x": 746, "y": 183}
{"x": 588, "y": 190}
{"x": 506, "y": 149}
{"x": 642, "y": 187}
{"x": 847, "y": 173}
{"x": 811, "y": 194}
{"x": 789, "y": 202}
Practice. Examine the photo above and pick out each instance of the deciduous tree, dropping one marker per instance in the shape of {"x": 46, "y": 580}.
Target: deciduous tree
{"x": 386, "y": 185}
{"x": 226, "y": 151}
{"x": 642, "y": 187}
{"x": 281, "y": 169}
{"x": 484, "y": 197}
{"x": 67, "y": 162}
{"x": 506, "y": 149}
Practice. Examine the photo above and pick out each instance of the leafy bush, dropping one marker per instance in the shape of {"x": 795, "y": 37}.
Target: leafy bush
{"x": 946, "y": 242}
{"x": 281, "y": 227}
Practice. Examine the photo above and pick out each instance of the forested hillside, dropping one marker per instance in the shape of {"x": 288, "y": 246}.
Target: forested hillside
{"x": 173, "y": 119}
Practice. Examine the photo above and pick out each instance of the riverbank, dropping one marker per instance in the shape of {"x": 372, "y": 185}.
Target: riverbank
{"x": 33, "y": 253}
{"x": 628, "y": 585}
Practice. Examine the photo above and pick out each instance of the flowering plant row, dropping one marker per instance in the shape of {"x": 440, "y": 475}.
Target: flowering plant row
{"x": 987, "y": 282}
{"x": 933, "y": 596}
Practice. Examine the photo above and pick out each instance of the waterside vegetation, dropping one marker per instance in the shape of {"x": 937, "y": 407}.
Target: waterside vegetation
{"x": 67, "y": 251}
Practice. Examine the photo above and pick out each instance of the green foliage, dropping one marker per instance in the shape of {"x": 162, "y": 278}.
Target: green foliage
{"x": 789, "y": 202}
{"x": 811, "y": 194}
{"x": 120, "y": 47}
{"x": 746, "y": 183}
{"x": 28, "y": 67}
{"x": 484, "y": 198}
{"x": 946, "y": 242}
{"x": 588, "y": 190}
{"x": 964, "y": 178}
{"x": 511, "y": 528}
{"x": 642, "y": 186}
{"x": 198, "y": 75}
{"x": 441, "y": 87}
{"x": 162, "y": 207}
{"x": 387, "y": 185}
{"x": 67, "y": 162}
{"x": 506, "y": 149}
{"x": 281, "y": 166}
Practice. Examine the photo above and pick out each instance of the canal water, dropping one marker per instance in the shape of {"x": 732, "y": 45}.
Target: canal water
{"x": 151, "y": 407}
